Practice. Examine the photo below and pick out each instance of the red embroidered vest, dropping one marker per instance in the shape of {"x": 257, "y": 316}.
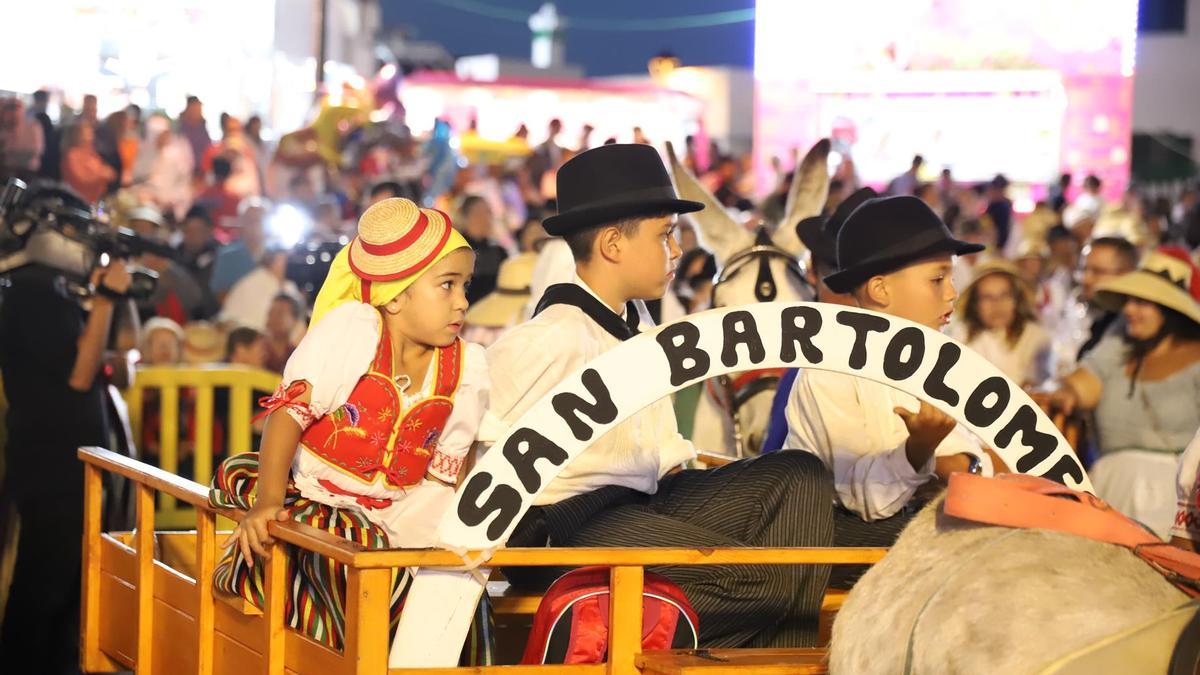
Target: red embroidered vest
{"x": 372, "y": 435}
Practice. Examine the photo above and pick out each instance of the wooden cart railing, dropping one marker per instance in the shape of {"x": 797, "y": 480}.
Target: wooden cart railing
{"x": 138, "y": 612}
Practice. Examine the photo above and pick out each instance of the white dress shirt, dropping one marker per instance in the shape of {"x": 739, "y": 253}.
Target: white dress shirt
{"x": 850, "y": 423}
{"x": 1187, "y": 490}
{"x": 249, "y": 300}
{"x": 533, "y": 357}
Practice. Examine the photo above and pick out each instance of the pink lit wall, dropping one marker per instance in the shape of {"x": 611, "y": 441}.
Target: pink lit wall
{"x": 1028, "y": 88}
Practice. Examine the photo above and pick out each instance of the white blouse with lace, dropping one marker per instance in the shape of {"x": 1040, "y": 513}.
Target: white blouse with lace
{"x": 331, "y": 358}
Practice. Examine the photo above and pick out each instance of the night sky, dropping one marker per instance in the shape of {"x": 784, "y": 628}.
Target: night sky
{"x": 600, "y": 52}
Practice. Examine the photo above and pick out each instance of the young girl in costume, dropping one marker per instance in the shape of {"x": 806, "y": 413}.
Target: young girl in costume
{"x": 368, "y": 432}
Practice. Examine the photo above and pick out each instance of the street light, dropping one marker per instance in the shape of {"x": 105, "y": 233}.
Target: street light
{"x": 661, "y": 66}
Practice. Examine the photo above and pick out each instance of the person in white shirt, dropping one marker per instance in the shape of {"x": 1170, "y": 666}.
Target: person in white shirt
{"x": 895, "y": 256}
{"x": 249, "y": 301}
{"x": 996, "y": 318}
{"x": 617, "y": 213}
{"x": 1080, "y": 217}
{"x": 1185, "y": 531}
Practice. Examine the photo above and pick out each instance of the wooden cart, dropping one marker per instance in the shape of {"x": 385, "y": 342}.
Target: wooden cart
{"x": 149, "y": 603}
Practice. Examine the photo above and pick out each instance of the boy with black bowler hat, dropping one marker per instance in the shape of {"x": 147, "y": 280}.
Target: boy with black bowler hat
{"x": 617, "y": 213}
{"x": 819, "y": 234}
{"x": 895, "y": 256}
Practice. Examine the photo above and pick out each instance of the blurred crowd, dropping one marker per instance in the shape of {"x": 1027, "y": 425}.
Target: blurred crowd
{"x": 255, "y": 221}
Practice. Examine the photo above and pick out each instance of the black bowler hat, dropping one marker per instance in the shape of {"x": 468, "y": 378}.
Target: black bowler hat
{"x": 886, "y": 234}
{"x": 819, "y": 233}
{"x": 610, "y": 183}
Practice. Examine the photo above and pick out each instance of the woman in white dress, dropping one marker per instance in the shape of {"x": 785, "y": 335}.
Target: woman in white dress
{"x": 996, "y": 317}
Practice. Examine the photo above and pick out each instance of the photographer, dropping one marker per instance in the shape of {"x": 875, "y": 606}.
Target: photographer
{"x": 52, "y": 349}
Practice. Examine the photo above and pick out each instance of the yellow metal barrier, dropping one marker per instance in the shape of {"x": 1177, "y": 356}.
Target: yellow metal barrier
{"x": 240, "y": 380}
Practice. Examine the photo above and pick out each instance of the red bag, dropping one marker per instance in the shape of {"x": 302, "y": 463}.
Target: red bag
{"x": 571, "y": 624}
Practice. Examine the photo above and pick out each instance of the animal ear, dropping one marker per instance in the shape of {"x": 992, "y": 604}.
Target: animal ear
{"x": 718, "y": 231}
{"x": 806, "y": 197}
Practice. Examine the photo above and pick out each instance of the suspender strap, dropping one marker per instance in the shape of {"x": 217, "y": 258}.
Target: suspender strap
{"x": 576, "y": 296}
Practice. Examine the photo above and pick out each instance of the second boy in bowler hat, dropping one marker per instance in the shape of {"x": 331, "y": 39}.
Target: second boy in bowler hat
{"x": 894, "y": 256}
{"x": 819, "y": 234}
{"x": 617, "y": 213}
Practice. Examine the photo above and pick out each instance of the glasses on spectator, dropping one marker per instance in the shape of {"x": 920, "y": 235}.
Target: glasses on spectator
{"x": 994, "y": 298}
{"x": 1100, "y": 271}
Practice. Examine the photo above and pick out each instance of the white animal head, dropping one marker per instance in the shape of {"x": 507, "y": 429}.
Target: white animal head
{"x": 758, "y": 267}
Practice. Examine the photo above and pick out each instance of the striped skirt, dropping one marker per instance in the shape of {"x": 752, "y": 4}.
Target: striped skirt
{"x": 316, "y": 598}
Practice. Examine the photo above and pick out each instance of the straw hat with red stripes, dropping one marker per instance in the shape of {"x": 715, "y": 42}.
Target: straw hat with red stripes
{"x": 396, "y": 239}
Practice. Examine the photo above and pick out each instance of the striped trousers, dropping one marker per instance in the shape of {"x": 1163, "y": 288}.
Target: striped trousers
{"x": 316, "y": 599}
{"x": 781, "y": 499}
{"x": 849, "y": 529}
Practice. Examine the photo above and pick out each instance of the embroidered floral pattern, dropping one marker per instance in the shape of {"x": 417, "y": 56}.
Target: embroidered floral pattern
{"x": 345, "y": 421}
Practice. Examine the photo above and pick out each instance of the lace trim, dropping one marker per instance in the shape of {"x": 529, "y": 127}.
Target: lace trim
{"x": 285, "y": 397}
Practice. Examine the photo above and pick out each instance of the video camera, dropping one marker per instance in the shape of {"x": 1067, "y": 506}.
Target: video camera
{"x": 52, "y": 226}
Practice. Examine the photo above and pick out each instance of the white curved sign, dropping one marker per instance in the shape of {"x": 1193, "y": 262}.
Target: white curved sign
{"x": 631, "y": 376}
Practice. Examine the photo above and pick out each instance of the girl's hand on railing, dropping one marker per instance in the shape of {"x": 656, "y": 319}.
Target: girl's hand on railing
{"x": 251, "y": 534}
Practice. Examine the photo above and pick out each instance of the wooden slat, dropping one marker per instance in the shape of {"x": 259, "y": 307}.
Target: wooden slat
{"x": 91, "y": 657}
{"x": 206, "y": 555}
{"x": 507, "y": 600}
{"x": 276, "y": 592}
{"x": 181, "y": 488}
{"x": 145, "y": 579}
{"x": 237, "y": 603}
{"x": 625, "y": 620}
{"x": 597, "y": 669}
{"x": 549, "y": 557}
{"x": 368, "y": 593}
{"x": 234, "y": 627}
{"x": 713, "y": 460}
{"x": 798, "y": 661}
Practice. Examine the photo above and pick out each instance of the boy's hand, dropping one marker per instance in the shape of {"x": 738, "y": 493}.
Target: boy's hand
{"x": 926, "y": 429}
{"x": 251, "y": 534}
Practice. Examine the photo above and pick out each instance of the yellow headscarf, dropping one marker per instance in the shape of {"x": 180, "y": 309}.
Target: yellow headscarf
{"x": 343, "y": 285}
